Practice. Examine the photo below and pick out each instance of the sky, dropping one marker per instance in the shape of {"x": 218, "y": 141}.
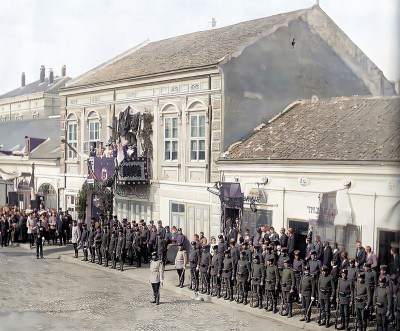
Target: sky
{"x": 85, "y": 33}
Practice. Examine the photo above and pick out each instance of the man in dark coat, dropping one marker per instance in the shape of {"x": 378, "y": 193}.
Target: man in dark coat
{"x": 361, "y": 256}
{"x": 326, "y": 254}
{"x": 290, "y": 244}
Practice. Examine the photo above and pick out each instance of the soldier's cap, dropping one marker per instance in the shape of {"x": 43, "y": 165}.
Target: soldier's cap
{"x": 325, "y": 268}
{"x": 271, "y": 259}
{"x": 256, "y": 257}
{"x": 368, "y": 264}
{"x": 352, "y": 260}
{"x": 383, "y": 267}
{"x": 284, "y": 249}
{"x": 241, "y": 253}
{"x": 214, "y": 247}
{"x": 245, "y": 243}
{"x": 121, "y": 231}
{"x": 84, "y": 225}
{"x": 180, "y": 245}
{"x": 306, "y": 267}
{"x": 361, "y": 275}
{"x": 382, "y": 279}
{"x": 313, "y": 252}
{"x": 154, "y": 254}
{"x": 193, "y": 243}
{"x": 228, "y": 251}
{"x": 393, "y": 277}
{"x": 159, "y": 222}
{"x": 296, "y": 252}
{"x": 220, "y": 236}
{"x": 180, "y": 229}
{"x": 344, "y": 271}
{"x": 286, "y": 261}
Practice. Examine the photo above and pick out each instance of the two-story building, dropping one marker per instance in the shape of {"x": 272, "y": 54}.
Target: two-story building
{"x": 30, "y": 142}
{"x": 205, "y": 91}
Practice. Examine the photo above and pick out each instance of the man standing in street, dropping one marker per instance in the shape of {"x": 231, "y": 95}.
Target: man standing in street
{"x": 39, "y": 240}
{"x": 180, "y": 264}
{"x": 156, "y": 277}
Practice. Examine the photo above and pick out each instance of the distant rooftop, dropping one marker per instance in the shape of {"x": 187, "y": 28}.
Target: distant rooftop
{"x": 344, "y": 128}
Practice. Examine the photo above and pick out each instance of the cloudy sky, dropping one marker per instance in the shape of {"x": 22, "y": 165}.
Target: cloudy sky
{"x": 84, "y": 33}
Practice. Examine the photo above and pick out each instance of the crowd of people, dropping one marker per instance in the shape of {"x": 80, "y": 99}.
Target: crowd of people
{"x": 263, "y": 270}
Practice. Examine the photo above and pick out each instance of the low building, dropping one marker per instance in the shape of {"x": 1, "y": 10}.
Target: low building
{"x": 333, "y": 164}
{"x": 30, "y": 142}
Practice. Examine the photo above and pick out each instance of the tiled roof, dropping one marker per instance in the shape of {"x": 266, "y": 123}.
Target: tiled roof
{"x": 345, "y": 128}
{"x": 37, "y": 87}
{"x": 192, "y": 50}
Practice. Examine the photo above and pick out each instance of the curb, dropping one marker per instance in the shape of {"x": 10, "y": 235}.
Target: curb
{"x": 185, "y": 292}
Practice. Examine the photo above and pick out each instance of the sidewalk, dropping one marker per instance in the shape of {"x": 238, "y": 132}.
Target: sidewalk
{"x": 170, "y": 280}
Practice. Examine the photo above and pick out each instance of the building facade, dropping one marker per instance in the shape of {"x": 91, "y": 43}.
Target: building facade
{"x": 30, "y": 144}
{"x": 205, "y": 91}
{"x": 332, "y": 164}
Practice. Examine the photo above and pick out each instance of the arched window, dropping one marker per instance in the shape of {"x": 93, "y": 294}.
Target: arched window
{"x": 93, "y": 124}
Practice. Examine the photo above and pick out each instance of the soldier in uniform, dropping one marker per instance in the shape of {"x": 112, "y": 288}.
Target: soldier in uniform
{"x": 243, "y": 272}
{"x": 394, "y": 289}
{"x": 271, "y": 285}
{"x": 205, "y": 263}
{"x": 288, "y": 282}
{"x": 129, "y": 244}
{"x": 352, "y": 271}
{"x": 97, "y": 241}
{"x": 235, "y": 255}
{"x": 84, "y": 242}
{"x": 216, "y": 271}
{"x": 156, "y": 277}
{"x": 371, "y": 280}
{"x": 326, "y": 291}
{"x": 396, "y": 308}
{"x": 344, "y": 299}
{"x": 306, "y": 293}
{"x": 39, "y": 239}
{"x": 112, "y": 248}
{"x": 92, "y": 248}
{"x": 221, "y": 245}
{"x": 297, "y": 268}
{"x": 315, "y": 270}
{"x": 121, "y": 249}
{"x": 383, "y": 304}
{"x": 105, "y": 241}
{"x": 362, "y": 297}
{"x": 137, "y": 246}
{"x": 227, "y": 275}
{"x": 194, "y": 262}
{"x": 161, "y": 246}
{"x": 257, "y": 280}
{"x": 180, "y": 264}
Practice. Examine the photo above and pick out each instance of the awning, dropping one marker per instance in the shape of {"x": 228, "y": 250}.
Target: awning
{"x": 9, "y": 175}
{"x": 231, "y": 194}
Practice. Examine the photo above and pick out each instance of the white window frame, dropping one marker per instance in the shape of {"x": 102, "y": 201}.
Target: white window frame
{"x": 171, "y": 139}
{"x": 71, "y": 155}
{"x": 177, "y": 218}
{"x": 197, "y": 138}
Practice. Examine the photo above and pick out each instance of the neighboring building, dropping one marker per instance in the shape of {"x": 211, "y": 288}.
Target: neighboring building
{"x": 333, "y": 164}
{"x": 205, "y": 91}
{"x": 30, "y": 126}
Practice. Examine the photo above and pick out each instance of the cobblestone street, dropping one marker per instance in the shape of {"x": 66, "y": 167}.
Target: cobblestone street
{"x": 53, "y": 294}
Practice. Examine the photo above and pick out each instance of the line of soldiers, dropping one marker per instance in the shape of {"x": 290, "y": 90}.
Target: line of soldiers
{"x": 269, "y": 280}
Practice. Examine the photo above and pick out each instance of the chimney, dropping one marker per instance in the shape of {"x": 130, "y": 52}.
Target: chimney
{"x": 42, "y": 73}
{"x": 51, "y": 76}
{"x": 23, "y": 79}
{"x": 63, "y": 70}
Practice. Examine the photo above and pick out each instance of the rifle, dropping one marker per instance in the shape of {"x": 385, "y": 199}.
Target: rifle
{"x": 309, "y": 308}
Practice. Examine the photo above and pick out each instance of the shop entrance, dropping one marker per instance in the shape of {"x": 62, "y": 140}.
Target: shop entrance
{"x": 386, "y": 240}
{"x": 300, "y": 230}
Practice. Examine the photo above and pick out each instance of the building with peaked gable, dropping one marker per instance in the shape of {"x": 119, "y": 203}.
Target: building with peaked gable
{"x": 30, "y": 142}
{"x": 333, "y": 164}
{"x": 205, "y": 91}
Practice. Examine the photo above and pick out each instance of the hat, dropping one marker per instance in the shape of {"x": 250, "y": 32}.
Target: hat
{"x": 383, "y": 267}
{"x": 286, "y": 261}
{"x": 361, "y": 275}
{"x": 241, "y": 253}
{"x": 220, "y": 236}
{"x": 393, "y": 277}
{"x": 214, "y": 247}
{"x": 193, "y": 243}
{"x": 154, "y": 254}
{"x": 180, "y": 245}
{"x": 296, "y": 252}
{"x": 367, "y": 264}
{"x": 256, "y": 257}
{"x": 325, "y": 268}
{"x": 313, "y": 252}
{"x": 344, "y": 271}
{"x": 180, "y": 229}
{"x": 271, "y": 259}
{"x": 352, "y": 260}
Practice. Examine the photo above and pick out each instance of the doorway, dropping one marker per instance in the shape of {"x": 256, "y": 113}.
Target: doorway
{"x": 386, "y": 240}
{"x": 300, "y": 230}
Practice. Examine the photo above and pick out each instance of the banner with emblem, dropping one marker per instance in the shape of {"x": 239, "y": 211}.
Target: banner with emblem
{"x": 104, "y": 169}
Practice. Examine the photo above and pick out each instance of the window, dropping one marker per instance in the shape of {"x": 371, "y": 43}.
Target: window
{"x": 197, "y": 137}
{"x": 171, "y": 139}
{"x": 72, "y": 139}
{"x": 177, "y": 215}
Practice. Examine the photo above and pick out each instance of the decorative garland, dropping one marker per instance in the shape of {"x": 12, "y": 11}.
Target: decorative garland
{"x": 146, "y": 134}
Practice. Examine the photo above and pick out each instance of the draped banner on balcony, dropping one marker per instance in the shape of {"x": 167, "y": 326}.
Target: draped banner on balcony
{"x": 133, "y": 172}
